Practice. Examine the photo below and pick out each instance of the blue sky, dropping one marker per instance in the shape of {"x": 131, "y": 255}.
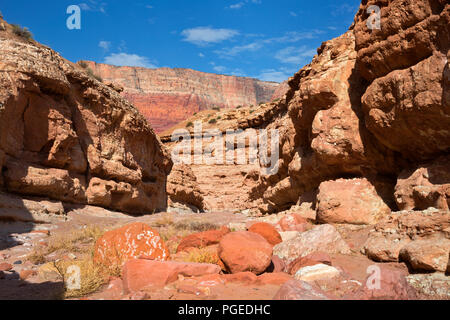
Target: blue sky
{"x": 264, "y": 39}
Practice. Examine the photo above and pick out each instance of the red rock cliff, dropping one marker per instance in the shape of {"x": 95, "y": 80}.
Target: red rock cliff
{"x": 167, "y": 96}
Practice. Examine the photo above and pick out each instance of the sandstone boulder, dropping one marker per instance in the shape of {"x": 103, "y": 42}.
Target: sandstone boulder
{"x": 317, "y": 272}
{"x": 427, "y": 254}
{"x": 140, "y": 273}
{"x": 267, "y": 231}
{"x": 323, "y": 238}
{"x": 309, "y": 260}
{"x": 294, "y": 222}
{"x": 133, "y": 241}
{"x": 245, "y": 251}
{"x": 401, "y": 229}
{"x": 350, "y": 201}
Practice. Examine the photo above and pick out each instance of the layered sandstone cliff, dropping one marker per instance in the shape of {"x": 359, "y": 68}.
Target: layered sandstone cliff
{"x": 167, "y": 96}
{"x": 68, "y": 137}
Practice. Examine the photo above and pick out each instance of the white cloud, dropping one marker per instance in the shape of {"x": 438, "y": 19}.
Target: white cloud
{"x": 237, "y": 5}
{"x": 292, "y": 13}
{"x": 132, "y": 60}
{"x": 93, "y": 5}
{"x": 295, "y": 55}
{"x": 206, "y": 35}
{"x": 288, "y": 37}
{"x": 274, "y": 75}
{"x": 105, "y": 45}
{"x": 201, "y": 55}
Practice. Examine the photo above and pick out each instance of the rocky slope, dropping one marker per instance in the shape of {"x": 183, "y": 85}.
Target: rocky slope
{"x": 66, "y": 136}
{"x": 167, "y": 96}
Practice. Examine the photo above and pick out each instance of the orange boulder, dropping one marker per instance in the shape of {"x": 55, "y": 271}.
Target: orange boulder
{"x": 267, "y": 231}
{"x": 136, "y": 240}
{"x": 141, "y": 273}
{"x": 245, "y": 251}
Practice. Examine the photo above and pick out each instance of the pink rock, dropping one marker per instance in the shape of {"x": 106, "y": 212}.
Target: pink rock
{"x": 5, "y": 266}
{"x": 293, "y": 222}
{"x": 300, "y": 290}
{"x": 336, "y": 202}
{"x": 392, "y": 285}
{"x": 141, "y": 273}
{"x": 276, "y": 278}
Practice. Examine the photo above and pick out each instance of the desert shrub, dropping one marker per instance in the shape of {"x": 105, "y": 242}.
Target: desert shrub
{"x": 93, "y": 75}
{"x": 163, "y": 221}
{"x": 83, "y": 64}
{"x": 251, "y": 111}
{"x": 189, "y": 124}
{"x": 219, "y": 117}
{"x": 238, "y": 107}
{"x": 212, "y": 121}
{"x": 216, "y": 108}
{"x": 22, "y": 32}
{"x": 202, "y": 255}
{"x": 82, "y": 242}
{"x": 195, "y": 226}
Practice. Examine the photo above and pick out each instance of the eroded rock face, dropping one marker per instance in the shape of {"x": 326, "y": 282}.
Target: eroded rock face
{"x": 419, "y": 238}
{"x": 182, "y": 187}
{"x": 167, "y": 96}
{"x": 425, "y": 187}
{"x": 68, "y": 137}
{"x": 323, "y": 136}
{"x": 406, "y": 105}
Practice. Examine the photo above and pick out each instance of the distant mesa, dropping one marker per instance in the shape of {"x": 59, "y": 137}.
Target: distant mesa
{"x": 168, "y": 96}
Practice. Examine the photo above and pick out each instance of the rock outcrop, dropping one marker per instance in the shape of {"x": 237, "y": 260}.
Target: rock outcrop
{"x": 167, "y": 96}
{"x": 66, "y": 136}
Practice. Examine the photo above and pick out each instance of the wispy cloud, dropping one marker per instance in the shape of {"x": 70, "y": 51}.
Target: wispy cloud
{"x": 206, "y": 35}
{"x": 276, "y": 75}
{"x": 295, "y": 55}
{"x": 288, "y": 37}
{"x": 105, "y": 45}
{"x": 93, "y": 5}
{"x": 241, "y": 4}
{"x": 132, "y": 60}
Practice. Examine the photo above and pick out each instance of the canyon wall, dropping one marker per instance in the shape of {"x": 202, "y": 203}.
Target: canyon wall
{"x": 372, "y": 108}
{"x": 68, "y": 137}
{"x": 167, "y": 96}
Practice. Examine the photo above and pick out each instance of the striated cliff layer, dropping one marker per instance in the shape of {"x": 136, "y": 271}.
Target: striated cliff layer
{"x": 167, "y": 96}
{"x": 66, "y": 136}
